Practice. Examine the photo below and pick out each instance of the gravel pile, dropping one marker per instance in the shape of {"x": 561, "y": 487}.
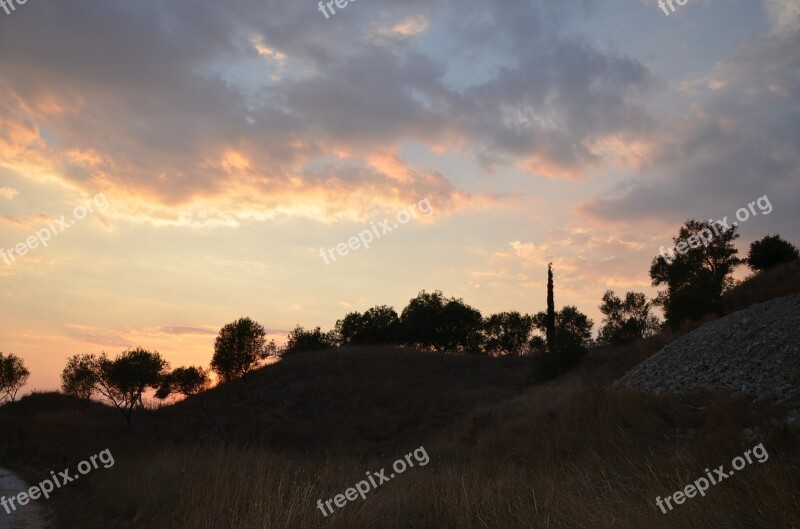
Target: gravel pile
{"x": 755, "y": 351}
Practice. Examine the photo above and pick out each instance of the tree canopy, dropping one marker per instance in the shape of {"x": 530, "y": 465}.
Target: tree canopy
{"x": 13, "y": 375}
{"x": 626, "y": 320}
{"x": 431, "y": 321}
{"x": 699, "y": 272}
{"x": 770, "y": 252}
{"x": 239, "y": 348}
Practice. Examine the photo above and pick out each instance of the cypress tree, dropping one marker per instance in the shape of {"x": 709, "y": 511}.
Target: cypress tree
{"x": 551, "y": 310}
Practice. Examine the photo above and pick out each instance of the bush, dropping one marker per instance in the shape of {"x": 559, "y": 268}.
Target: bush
{"x": 770, "y": 252}
{"x": 377, "y": 326}
{"x": 301, "y": 339}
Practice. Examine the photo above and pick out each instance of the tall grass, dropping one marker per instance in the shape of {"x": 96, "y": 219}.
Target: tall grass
{"x": 560, "y": 456}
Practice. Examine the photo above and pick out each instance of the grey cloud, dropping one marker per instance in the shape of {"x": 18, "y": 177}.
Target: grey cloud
{"x": 157, "y": 112}
{"x": 740, "y": 144}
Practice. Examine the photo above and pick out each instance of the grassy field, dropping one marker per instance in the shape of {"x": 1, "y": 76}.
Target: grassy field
{"x": 504, "y": 453}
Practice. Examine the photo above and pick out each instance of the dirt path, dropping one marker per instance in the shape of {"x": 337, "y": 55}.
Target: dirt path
{"x": 30, "y": 516}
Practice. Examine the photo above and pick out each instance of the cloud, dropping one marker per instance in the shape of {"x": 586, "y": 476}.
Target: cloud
{"x": 407, "y": 27}
{"x": 783, "y": 14}
{"x": 197, "y": 115}
{"x": 732, "y": 145}
{"x": 8, "y": 193}
{"x": 185, "y": 330}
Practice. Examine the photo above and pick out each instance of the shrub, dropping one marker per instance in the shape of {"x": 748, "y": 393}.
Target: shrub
{"x": 770, "y": 252}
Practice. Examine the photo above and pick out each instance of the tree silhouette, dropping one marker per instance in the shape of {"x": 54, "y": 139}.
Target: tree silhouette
{"x": 570, "y": 341}
{"x": 185, "y": 381}
{"x": 79, "y": 377}
{"x": 550, "y": 319}
{"x": 770, "y": 252}
{"x": 13, "y": 375}
{"x": 239, "y": 348}
{"x": 698, "y": 272}
{"x": 378, "y": 325}
{"x": 123, "y": 380}
{"x": 626, "y": 320}
{"x": 507, "y": 333}
{"x": 431, "y": 321}
{"x": 300, "y": 339}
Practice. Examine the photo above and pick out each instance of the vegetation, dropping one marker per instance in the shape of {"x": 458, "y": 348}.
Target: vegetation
{"x": 301, "y": 339}
{"x": 13, "y": 375}
{"x": 377, "y": 326}
{"x": 570, "y": 341}
{"x": 433, "y": 322}
{"x": 184, "y": 381}
{"x": 550, "y": 316}
{"x": 770, "y": 252}
{"x": 309, "y": 425}
{"x": 120, "y": 381}
{"x": 80, "y": 376}
{"x": 507, "y": 333}
{"x": 239, "y": 348}
{"x": 627, "y": 320}
{"x": 698, "y": 274}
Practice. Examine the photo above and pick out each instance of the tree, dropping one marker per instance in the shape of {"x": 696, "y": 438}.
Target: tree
{"x": 421, "y": 320}
{"x": 571, "y": 340}
{"x": 626, "y": 321}
{"x": 13, "y": 375}
{"x": 550, "y": 318}
{"x": 432, "y": 321}
{"x": 301, "y": 339}
{"x": 378, "y": 325}
{"x": 770, "y": 252}
{"x": 123, "y": 380}
{"x": 573, "y": 332}
{"x": 461, "y": 327}
{"x": 79, "y": 377}
{"x": 350, "y": 329}
{"x": 698, "y": 273}
{"x": 507, "y": 333}
{"x": 185, "y": 381}
{"x": 239, "y": 348}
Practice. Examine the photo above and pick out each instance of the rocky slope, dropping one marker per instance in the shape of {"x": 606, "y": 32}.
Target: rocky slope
{"x": 755, "y": 351}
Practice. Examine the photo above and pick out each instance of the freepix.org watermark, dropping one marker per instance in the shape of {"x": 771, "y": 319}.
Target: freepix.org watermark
{"x": 56, "y": 482}
{"x": 671, "y": 3}
{"x": 9, "y": 7}
{"x": 705, "y": 236}
{"x": 341, "y": 4}
{"x": 701, "y": 485}
{"x": 44, "y": 235}
{"x": 376, "y": 231}
{"x": 363, "y": 487}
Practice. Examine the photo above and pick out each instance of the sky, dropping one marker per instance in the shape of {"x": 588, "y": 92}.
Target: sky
{"x": 193, "y": 161}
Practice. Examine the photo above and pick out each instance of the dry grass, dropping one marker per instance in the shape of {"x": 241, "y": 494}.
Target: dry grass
{"x": 560, "y": 456}
{"x": 782, "y": 280}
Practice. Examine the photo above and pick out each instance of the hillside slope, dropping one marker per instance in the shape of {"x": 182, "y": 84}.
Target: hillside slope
{"x": 755, "y": 352}
{"x": 354, "y": 398}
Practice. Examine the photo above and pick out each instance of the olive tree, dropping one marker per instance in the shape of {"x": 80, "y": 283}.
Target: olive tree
{"x": 13, "y": 375}
{"x": 123, "y": 380}
{"x": 79, "y": 377}
{"x": 239, "y": 348}
{"x": 184, "y": 381}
